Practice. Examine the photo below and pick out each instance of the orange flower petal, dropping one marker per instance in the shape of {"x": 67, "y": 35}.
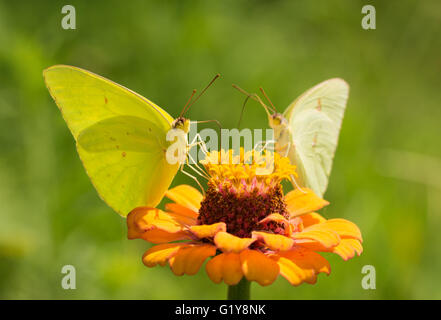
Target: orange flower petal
{"x": 327, "y": 239}
{"x": 160, "y": 236}
{"x": 258, "y": 267}
{"x": 207, "y": 230}
{"x": 301, "y": 265}
{"x": 311, "y": 245}
{"x": 151, "y": 223}
{"x": 181, "y": 210}
{"x": 307, "y": 259}
{"x": 181, "y": 214}
{"x": 161, "y": 253}
{"x": 344, "y": 228}
{"x": 186, "y": 196}
{"x": 276, "y": 218}
{"x": 300, "y": 201}
{"x": 311, "y": 218}
{"x": 136, "y": 222}
{"x": 146, "y": 218}
{"x": 292, "y": 272}
{"x": 232, "y": 269}
{"x": 230, "y": 243}
{"x": 188, "y": 259}
{"x": 348, "y": 248}
{"x": 225, "y": 266}
{"x": 295, "y": 225}
{"x": 134, "y": 231}
{"x": 275, "y": 242}
{"x": 214, "y": 268}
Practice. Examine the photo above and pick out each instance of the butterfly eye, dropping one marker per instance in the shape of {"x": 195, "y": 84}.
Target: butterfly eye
{"x": 276, "y": 120}
{"x": 186, "y": 125}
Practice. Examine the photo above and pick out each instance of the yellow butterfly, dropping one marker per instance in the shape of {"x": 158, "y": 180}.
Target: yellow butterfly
{"x": 307, "y": 132}
{"x": 120, "y": 136}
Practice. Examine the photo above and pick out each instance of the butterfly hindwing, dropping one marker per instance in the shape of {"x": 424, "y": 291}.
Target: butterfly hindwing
{"x": 315, "y": 120}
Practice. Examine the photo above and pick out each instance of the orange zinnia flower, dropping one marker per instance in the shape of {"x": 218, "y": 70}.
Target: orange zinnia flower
{"x": 246, "y": 223}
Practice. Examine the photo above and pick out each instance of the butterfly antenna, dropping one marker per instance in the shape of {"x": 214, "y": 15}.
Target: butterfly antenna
{"x": 255, "y": 97}
{"x": 208, "y": 121}
{"x": 186, "y": 105}
{"x": 241, "y": 90}
{"x": 241, "y": 112}
{"x": 202, "y": 92}
{"x": 266, "y": 96}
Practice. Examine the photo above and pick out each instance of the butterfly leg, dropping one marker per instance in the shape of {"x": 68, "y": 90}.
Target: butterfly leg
{"x": 193, "y": 177}
{"x": 196, "y": 168}
{"x": 201, "y": 143}
{"x": 264, "y": 145}
{"x": 258, "y": 144}
{"x": 294, "y": 182}
{"x": 287, "y": 149}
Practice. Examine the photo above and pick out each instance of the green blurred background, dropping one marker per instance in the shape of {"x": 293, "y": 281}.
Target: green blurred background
{"x": 387, "y": 170}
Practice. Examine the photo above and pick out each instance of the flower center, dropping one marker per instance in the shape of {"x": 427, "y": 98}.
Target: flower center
{"x": 244, "y": 189}
{"x": 242, "y": 210}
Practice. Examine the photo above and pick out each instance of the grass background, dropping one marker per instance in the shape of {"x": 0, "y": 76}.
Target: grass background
{"x": 387, "y": 170}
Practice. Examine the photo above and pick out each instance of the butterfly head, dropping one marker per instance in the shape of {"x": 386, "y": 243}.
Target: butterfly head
{"x": 276, "y": 120}
{"x": 181, "y": 123}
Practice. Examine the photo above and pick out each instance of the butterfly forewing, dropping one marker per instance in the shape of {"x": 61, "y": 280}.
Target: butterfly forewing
{"x": 120, "y": 135}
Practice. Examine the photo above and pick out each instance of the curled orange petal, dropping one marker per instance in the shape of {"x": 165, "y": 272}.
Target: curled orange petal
{"x": 344, "y": 228}
{"x": 348, "y": 248}
{"x": 161, "y": 253}
{"x": 258, "y": 267}
{"x": 295, "y": 225}
{"x": 226, "y": 267}
{"x": 230, "y": 243}
{"x": 160, "y": 236}
{"x": 214, "y": 268}
{"x": 327, "y": 239}
{"x": 276, "y": 218}
{"x": 307, "y": 259}
{"x": 311, "y": 218}
{"x": 300, "y": 265}
{"x": 151, "y": 223}
{"x": 275, "y": 242}
{"x": 207, "y": 230}
{"x": 181, "y": 214}
{"x": 292, "y": 272}
{"x": 304, "y": 200}
{"x": 186, "y": 196}
{"x": 188, "y": 259}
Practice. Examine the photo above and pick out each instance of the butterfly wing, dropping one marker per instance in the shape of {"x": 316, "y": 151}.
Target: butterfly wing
{"x": 315, "y": 120}
{"x": 120, "y": 137}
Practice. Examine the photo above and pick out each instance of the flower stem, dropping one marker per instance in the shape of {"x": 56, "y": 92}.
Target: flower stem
{"x": 240, "y": 291}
